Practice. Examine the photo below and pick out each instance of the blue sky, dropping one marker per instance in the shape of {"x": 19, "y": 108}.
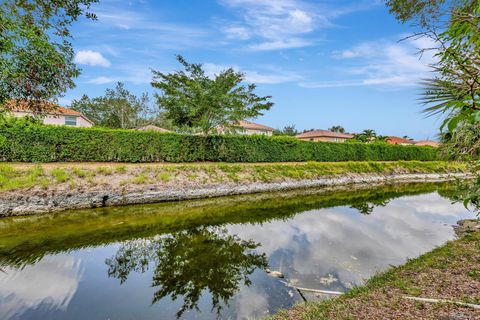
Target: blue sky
{"x": 325, "y": 63}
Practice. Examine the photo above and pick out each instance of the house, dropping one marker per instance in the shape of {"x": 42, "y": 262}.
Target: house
{"x": 324, "y": 135}
{"x": 400, "y": 141}
{"x": 427, "y": 143}
{"x": 55, "y": 116}
{"x": 249, "y": 128}
{"x": 153, "y": 128}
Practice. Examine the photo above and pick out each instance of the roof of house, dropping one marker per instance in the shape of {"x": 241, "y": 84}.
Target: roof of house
{"x": 154, "y": 128}
{"x": 255, "y": 126}
{"x": 47, "y": 106}
{"x": 324, "y": 133}
{"x": 398, "y": 140}
{"x": 430, "y": 143}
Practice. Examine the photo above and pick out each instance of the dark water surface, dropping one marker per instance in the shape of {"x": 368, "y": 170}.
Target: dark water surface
{"x": 207, "y": 259}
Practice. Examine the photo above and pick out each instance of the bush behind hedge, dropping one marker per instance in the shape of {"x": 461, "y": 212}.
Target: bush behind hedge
{"x": 27, "y": 142}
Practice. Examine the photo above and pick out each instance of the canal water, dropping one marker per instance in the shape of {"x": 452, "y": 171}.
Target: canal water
{"x": 228, "y": 258}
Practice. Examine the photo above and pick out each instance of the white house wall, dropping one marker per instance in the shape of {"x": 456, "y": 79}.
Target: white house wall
{"x": 58, "y": 120}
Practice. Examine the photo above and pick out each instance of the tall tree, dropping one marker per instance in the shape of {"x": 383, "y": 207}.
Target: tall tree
{"x": 286, "y": 131}
{"x": 118, "y": 108}
{"x": 369, "y": 134}
{"x": 36, "y": 57}
{"x": 338, "y": 129}
{"x": 193, "y": 100}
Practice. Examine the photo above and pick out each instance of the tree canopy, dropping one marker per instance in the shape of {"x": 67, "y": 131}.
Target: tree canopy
{"x": 196, "y": 102}
{"x": 289, "y": 130}
{"x": 118, "y": 108}
{"x": 36, "y": 57}
{"x": 338, "y": 129}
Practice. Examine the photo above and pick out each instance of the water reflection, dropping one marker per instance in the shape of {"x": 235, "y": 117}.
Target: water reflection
{"x": 335, "y": 249}
{"x": 367, "y": 207}
{"x": 189, "y": 262}
{"x": 51, "y": 282}
{"x": 206, "y": 259}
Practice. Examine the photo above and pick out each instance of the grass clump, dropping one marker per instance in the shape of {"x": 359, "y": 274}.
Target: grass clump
{"x": 106, "y": 171}
{"x": 121, "y": 169}
{"x": 60, "y": 175}
{"x": 79, "y": 172}
{"x": 163, "y": 176}
{"x": 141, "y": 178}
{"x": 11, "y": 178}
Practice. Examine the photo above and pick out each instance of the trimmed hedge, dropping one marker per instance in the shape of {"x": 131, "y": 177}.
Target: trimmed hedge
{"x": 26, "y": 142}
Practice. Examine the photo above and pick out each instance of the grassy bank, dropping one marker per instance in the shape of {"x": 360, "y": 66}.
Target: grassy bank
{"x": 451, "y": 272}
{"x": 90, "y": 176}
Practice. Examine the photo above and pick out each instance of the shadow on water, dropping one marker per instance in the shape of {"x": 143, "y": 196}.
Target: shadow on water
{"x": 186, "y": 245}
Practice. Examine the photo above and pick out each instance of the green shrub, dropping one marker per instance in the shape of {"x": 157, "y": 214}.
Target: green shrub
{"x": 28, "y": 142}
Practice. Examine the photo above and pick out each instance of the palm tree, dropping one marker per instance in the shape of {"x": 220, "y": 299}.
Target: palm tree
{"x": 369, "y": 134}
{"x": 339, "y": 129}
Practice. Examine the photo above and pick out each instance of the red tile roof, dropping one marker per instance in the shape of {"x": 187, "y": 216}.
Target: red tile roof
{"x": 398, "y": 140}
{"x": 427, "y": 143}
{"x": 255, "y": 126}
{"x": 324, "y": 133}
{"x": 152, "y": 127}
{"x": 48, "y": 107}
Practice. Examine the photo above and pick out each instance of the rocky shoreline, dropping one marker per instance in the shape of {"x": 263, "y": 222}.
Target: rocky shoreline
{"x": 27, "y": 202}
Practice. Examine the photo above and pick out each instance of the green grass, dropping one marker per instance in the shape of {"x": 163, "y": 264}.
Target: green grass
{"x": 60, "y": 175}
{"x": 106, "y": 171}
{"x": 141, "y": 178}
{"x": 11, "y": 179}
{"x": 16, "y": 176}
{"x": 163, "y": 176}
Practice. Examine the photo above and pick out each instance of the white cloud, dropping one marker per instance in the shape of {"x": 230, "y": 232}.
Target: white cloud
{"x": 236, "y": 32}
{"x": 280, "y": 44}
{"x": 140, "y": 25}
{"x": 52, "y": 281}
{"x": 352, "y": 246}
{"x": 91, "y": 58}
{"x": 284, "y": 24}
{"x": 271, "y": 76}
{"x": 130, "y": 73}
{"x": 103, "y": 80}
{"x": 278, "y": 24}
{"x": 385, "y": 63}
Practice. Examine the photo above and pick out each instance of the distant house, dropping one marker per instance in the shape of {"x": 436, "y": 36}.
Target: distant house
{"x": 427, "y": 143}
{"x": 57, "y": 116}
{"x": 153, "y": 128}
{"x": 248, "y": 128}
{"x": 399, "y": 141}
{"x": 324, "y": 135}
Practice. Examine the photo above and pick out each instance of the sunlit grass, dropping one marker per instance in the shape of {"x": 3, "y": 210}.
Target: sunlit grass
{"x": 16, "y": 176}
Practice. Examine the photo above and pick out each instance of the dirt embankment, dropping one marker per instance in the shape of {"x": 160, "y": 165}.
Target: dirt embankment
{"x": 30, "y": 189}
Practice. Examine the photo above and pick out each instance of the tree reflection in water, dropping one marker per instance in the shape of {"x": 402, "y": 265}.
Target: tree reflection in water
{"x": 190, "y": 261}
{"x": 366, "y": 208}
